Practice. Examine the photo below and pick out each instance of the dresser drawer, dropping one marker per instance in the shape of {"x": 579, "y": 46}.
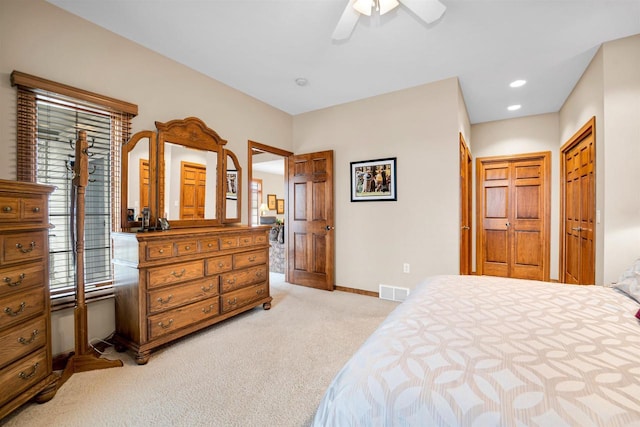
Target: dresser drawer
{"x": 22, "y": 339}
{"x": 208, "y": 244}
{"x": 187, "y": 247}
{"x": 23, "y": 277}
{"x": 250, "y": 258}
{"x": 242, "y": 297}
{"x": 170, "y": 321}
{"x": 245, "y": 240}
{"x": 228, "y": 242}
{"x": 9, "y": 208}
{"x": 159, "y": 250}
{"x": 181, "y": 272}
{"x": 260, "y": 239}
{"x": 239, "y": 279}
{"x": 219, "y": 264}
{"x": 23, "y": 374}
{"x": 17, "y": 307}
{"x": 34, "y": 209}
{"x": 184, "y": 293}
{"x": 23, "y": 246}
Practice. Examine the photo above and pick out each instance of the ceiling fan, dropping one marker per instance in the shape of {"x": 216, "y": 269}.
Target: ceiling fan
{"x": 427, "y": 10}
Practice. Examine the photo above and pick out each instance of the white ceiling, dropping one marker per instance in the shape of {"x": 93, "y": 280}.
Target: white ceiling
{"x": 261, "y": 46}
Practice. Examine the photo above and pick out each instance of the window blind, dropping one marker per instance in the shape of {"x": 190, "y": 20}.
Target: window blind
{"x": 48, "y": 123}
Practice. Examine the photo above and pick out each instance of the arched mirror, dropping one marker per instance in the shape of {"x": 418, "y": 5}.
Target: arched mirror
{"x": 138, "y": 180}
{"x": 232, "y": 188}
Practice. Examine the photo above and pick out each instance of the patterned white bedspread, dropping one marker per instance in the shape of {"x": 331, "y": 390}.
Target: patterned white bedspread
{"x": 484, "y": 351}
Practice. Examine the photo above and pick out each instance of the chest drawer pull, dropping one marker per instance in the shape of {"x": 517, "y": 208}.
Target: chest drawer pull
{"x": 259, "y": 273}
{"x": 186, "y": 248}
{"x": 164, "y": 301}
{"x": 210, "y": 245}
{"x": 33, "y": 372}
{"x": 260, "y": 291}
{"x": 209, "y": 310}
{"x": 32, "y": 245}
{"x": 178, "y": 275}
{"x": 12, "y": 313}
{"x": 167, "y": 326}
{"x": 231, "y": 281}
{"x": 161, "y": 251}
{"x": 252, "y": 258}
{"x": 14, "y": 284}
{"x": 209, "y": 289}
{"x": 7, "y": 209}
{"x": 23, "y": 341}
{"x": 36, "y": 209}
{"x": 234, "y": 301}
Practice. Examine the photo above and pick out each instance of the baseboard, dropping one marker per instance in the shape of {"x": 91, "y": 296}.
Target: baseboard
{"x": 357, "y": 291}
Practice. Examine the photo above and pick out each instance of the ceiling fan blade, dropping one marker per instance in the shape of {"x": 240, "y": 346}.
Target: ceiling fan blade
{"x": 427, "y": 10}
{"x": 347, "y": 23}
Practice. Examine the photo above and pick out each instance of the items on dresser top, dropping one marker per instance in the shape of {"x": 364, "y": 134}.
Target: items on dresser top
{"x": 171, "y": 283}
{"x": 25, "y": 334}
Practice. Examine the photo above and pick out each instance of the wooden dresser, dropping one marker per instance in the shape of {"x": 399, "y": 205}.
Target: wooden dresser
{"x": 25, "y": 329}
{"x": 171, "y": 283}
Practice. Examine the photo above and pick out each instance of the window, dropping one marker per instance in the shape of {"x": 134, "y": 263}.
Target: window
{"x": 49, "y": 116}
{"x": 256, "y": 201}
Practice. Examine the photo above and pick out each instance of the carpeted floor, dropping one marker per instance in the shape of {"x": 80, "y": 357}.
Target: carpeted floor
{"x": 259, "y": 368}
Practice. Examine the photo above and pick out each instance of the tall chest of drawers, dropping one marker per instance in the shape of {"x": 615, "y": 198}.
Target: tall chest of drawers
{"x": 25, "y": 333}
{"x": 171, "y": 283}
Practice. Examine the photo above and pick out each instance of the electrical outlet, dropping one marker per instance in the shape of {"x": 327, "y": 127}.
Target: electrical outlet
{"x": 406, "y": 268}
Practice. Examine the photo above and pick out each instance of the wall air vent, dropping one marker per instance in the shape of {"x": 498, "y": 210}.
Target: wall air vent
{"x": 393, "y": 293}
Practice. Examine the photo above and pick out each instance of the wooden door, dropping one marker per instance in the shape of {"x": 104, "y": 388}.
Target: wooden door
{"x": 578, "y": 207}
{"x": 513, "y": 208}
{"x": 193, "y": 179}
{"x": 310, "y": 220}
{"x": 144, "y": 184}
{"x": 465, "y": 207}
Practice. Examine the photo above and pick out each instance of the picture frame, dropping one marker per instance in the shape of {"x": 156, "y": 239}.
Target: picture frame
{"x": 164, "y": 224}
{"x": 280, "y": 206}
{"x": 232, "y": 184}
{"x": 374, "y": 180}
{"x": 271, "y": 202}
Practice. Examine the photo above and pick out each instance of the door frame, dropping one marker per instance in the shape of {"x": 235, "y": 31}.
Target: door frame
{"x": 466, "y": 189}
{"x": 546, "y": 158}
{"x": 253, "y": 146}
{"x": 586, "y": 129}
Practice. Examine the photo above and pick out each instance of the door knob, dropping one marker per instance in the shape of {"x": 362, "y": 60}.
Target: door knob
{"x": 508, "y": 224}
{"x": 465, "y": 227}
{"x": 329, "y": 228}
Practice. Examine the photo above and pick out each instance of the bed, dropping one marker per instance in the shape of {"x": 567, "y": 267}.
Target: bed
{"x": 481, "y": 351}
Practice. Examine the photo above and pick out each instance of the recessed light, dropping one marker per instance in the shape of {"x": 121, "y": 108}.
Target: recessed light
{"x": 301, "y": 81}
{"x": 514, "y": 107}
{"x": 518, "y": 83}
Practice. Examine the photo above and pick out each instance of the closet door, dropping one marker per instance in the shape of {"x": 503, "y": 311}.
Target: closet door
{"x": 513, "y": 205}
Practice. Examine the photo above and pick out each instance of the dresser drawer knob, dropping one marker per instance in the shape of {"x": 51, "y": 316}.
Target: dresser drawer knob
{"x": 210, "y": 245}
{"x": 33, "y": 372}
{"x": 246, "y": 240}
{"x": 12, "y": 313}
{"x": 252, "y": 258}
{"x": 32, "y": 245}
{"x": 7, "y": 280}
{"x": 7, "y": 209}
{"x": 259, "y": 273}
{"x": 232, "y": 302}
{"x": 207, "y": 289}
{"x": 167, "y": 326}
{"x": 220, "y": 264}
{"x": 228, "y": 242}
{"x": 209, "y": 310}
{"x": 260, "y": 291}
{"x": 161, "y": 251}
{"x": 178, "y": 275}
{"x": 231, "y": 281}
{"x": 23, "y": 341}
{"x": 36, "y": 209}
{"x": 165, "y": 301}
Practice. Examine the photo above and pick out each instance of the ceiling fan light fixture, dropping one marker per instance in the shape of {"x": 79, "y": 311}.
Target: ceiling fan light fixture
{"x": 364, "y": 6}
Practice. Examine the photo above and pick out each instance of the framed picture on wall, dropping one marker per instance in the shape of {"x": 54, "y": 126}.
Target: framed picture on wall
{"x": 373, "y": 180}
{"x": 232, "y": 184}
{"x": 280, "y": 206}
{"x": 271, "y": 202}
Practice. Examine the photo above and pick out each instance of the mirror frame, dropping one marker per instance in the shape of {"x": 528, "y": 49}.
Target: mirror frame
{"x": 127, "y": 147}
{"x": 226, "y": 154}
{"x": 191, "y": 133}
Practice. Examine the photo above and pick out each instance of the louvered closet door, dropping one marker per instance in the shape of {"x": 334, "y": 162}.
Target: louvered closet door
{"x": 513, "y": 204}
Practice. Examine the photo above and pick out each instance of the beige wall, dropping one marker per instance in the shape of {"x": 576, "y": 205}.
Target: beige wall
{"x": 40, "y": 39}
{"x": 420, "y": 127}
{"x": 271, "y": 184}
{"x": 524, "y": 135}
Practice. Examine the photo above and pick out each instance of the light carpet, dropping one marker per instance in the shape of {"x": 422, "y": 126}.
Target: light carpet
{"x": 263, "y": 367}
